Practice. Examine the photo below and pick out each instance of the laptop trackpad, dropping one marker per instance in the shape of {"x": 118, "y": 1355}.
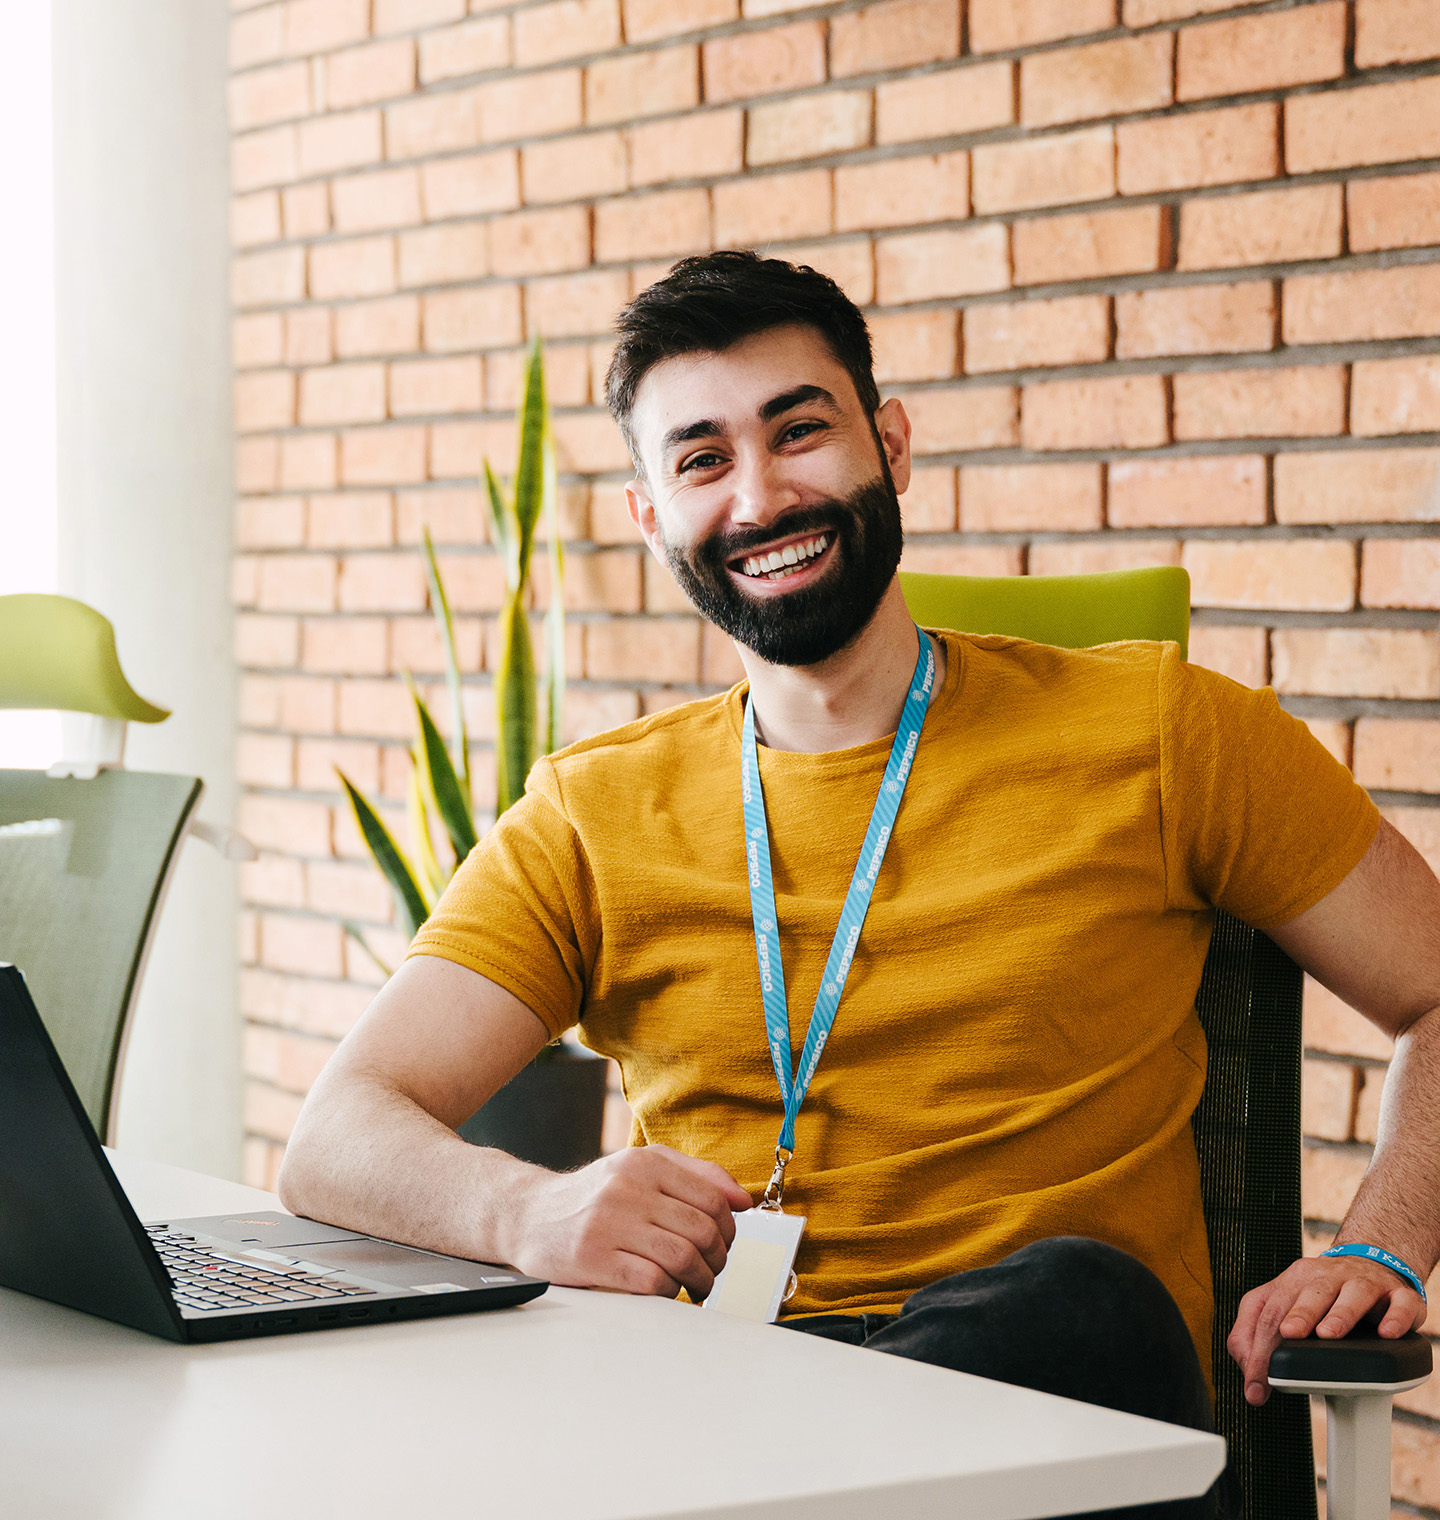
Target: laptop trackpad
{"x": 405, "y": 1267}
{"x": 266, "y": 1228}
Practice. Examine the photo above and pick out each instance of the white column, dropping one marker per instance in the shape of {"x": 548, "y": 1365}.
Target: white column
{"x": 1357, "y": 1456}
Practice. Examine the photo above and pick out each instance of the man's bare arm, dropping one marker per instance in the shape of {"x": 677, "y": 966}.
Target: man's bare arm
{"x": 1375, "y": 942}
{"x": 375, "y": 1149}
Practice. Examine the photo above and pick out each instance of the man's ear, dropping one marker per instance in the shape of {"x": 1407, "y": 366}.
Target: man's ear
{"x": 642, "y": 514}
{"x": 892, "y": 427}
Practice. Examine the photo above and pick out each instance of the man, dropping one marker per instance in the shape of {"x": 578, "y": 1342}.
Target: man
{"x": 994, "y": 1152}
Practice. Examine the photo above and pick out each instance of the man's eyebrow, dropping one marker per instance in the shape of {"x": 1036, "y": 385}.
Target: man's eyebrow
{"x": 706, "y": 427}
{"x": 798, "y": 396}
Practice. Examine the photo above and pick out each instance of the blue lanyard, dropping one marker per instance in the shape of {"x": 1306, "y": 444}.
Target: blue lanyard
{"x": 852, "y": 914}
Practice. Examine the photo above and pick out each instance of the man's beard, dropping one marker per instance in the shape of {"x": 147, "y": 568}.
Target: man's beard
{"x": 805, "y": 626}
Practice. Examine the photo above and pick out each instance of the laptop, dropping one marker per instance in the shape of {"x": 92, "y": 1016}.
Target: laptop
{"x": 69, "y": 1234}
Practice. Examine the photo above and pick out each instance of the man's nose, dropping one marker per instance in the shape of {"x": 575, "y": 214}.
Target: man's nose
{"x": 760, "y": 490}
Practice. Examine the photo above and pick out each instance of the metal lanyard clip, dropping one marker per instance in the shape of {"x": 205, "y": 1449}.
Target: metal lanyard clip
{"x": 775, "y": 1188}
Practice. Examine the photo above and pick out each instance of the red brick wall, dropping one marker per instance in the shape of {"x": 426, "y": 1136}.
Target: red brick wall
{"x": 1158, "y": 281}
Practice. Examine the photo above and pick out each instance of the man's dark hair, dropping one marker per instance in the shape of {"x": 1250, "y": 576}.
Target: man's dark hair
{"x": 709, "y": 302}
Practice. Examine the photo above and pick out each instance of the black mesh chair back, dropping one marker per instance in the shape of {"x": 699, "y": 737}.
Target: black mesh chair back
{"x": 83, "y": 869}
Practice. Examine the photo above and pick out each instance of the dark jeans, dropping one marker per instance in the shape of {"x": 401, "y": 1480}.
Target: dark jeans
{"x": 1067, "y": 1316}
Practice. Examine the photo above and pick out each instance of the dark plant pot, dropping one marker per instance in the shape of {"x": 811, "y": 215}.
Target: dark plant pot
{"x": 551, "y": 1114}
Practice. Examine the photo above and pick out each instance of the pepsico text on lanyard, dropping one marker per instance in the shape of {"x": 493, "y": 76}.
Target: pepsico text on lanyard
{"x": 852, "y": 914}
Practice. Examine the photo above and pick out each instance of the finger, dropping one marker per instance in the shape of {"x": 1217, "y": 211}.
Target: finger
{"x": 679, "y": 1258}
{"x": 1351, "y": 1305}
{"x": 1308, "y": 1310}
{"x": 637, "y": 1273}
{"x": 690, "y": 1224}
{"x": 1242, "y": 1333}
{"x": 716, "y": 1176}
{"x": 1406, "y": 1313}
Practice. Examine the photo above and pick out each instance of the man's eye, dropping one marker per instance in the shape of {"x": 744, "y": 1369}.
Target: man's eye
{"x": 800, "y": 430}
{"x": 705, "y": 461}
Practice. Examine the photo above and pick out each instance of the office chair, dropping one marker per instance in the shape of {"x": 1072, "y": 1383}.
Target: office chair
{"x": 1247, "y": 1124}
{"x": 87, "y": 849}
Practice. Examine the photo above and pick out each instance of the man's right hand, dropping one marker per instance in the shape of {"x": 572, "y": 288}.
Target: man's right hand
{"x": 644, "y": 1220}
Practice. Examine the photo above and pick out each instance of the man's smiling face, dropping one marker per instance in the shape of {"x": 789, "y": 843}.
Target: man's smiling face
{"x": 769, "y": 492}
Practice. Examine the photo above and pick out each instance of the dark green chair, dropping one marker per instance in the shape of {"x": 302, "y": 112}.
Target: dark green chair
{"x": 1247, "y": 1125}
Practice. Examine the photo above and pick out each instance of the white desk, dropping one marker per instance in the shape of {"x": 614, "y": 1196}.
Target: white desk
{"x": 579, "y": 1406}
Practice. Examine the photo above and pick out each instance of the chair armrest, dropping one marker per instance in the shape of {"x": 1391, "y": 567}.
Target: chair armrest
{"x": 1357, "y": 1364}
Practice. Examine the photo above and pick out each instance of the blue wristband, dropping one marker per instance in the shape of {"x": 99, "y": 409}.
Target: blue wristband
{"x": 1374, "y": 1253}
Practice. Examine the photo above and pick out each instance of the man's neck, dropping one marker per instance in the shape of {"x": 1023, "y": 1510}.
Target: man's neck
{"x": 853, "y": 697}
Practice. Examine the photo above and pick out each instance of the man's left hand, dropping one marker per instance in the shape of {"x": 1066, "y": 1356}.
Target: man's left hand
{"x": 1328, "y": 1295}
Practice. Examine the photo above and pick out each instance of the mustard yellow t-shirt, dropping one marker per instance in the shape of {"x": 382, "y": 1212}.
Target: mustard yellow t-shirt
{"x": 1016, "y": 1054}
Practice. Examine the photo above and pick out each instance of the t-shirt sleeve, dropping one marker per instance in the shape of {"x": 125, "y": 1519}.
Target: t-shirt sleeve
{"x": 1257, "y": 816}
{"x": 521, "y": 907}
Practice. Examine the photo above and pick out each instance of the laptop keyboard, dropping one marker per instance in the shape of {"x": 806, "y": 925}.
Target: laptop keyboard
{"x": 204, "y": 1279}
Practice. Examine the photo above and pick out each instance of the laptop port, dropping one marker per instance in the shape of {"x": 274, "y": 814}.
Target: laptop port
{"x": 288, "y": 1323}
{"x": 329, "y": 1316}
{"x": 360, "y": 1311}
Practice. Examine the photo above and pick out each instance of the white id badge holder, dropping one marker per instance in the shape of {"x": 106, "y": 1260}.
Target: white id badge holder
{"x": 755, "y": 1279}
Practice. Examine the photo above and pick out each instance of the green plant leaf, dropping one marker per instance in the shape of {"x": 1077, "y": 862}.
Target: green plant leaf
{"x": 434, "y": 877}
{"x": 450, "y": 801}
{"x": 440, "y": 605}
{"x": 390, "y": 858}
{"x": 507, "y": 535}
{"x": 532, "y": 481}
{"x": 514, "y": 703}
{"x": 552, "y": 692}
{"x": 358, "y": 935}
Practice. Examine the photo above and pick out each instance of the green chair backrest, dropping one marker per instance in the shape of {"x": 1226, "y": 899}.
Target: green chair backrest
{"x": 1247, "y": 1125}
{"x": 83, "y": 869}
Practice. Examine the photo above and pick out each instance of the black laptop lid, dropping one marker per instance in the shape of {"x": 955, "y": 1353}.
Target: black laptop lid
{"x": 67, "y": 1231}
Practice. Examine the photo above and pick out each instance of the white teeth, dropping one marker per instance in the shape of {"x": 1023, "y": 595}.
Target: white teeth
{"x": 785, "y": 559}
{"x": 789, "y": 555}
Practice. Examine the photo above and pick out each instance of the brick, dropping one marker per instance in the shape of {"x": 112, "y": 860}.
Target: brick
{"x": 915, "y": 345}
{"x": 321, "y": 1007}
{"x": 1421, "y": 826}
{"x": 266, "y": 642}
{"x": 1092, "y": 245}
{"x": 350, "y": 891}
{"x": 265, "y": 760}
{"x": 642, "y": 84}
{"x": 266, "y": 279}
{"x": 474, "y": 582}
{"x": 763, "y": 62}
{"x": 308, "y": 462}
{"x": 1239, "y": 653}
{"x": 361, "y": 267}
{"x": 344, "y": 646}
{"x": 257, "y": 340}
{"x": 309, "y": 946}
{"x": 361, "y": 76}
{"x": 318, "y": 26}
{"x": 1307, "y": 575}
{"x": 574, "y": 168}
{"x": 719, "y": 659}
{"x": 540, "y": 242}
{"x": 1357, "y": 662}
{"x": 382, "y": 583}
{"x": 1395, "y": 396}
{"x": 700, "y": 146}
{"x": 1265, "y": 227}
{"x": 265, "y": 96}
{"x": 426, "y": 387}
{"x": 1198, "y": 148}
{"x": 1328, "y": 1091}
{"x": 851, "y": 265}
{"x": 945, "y": 104}
{"x": 649, "y": 20}
{"x": 244, "y": 580}
{"x": 1336, "y": 1028}
{"x": 264, "y": 158}
{"x": 255, "y": 219}
{"x": 1369, "y": 304}
{"x": 329, "y": 143}
{"x": 589, "y": 443}
{"x": 806, "y": 126}
{"x": 470, "y": 184}
{"x": 961, "y": 559}
{"x": 894, "y": 34}
{"x": 1267, "y": 52}
{"x": 471, "y": 48}
{"x": 264, "y": 400}
{"x": 1400, "y": 572}
{"x": 270, "y": 522}
{"x": 1095, "y": 414}
{"x": 529, "y": 105}
{"x": 466, "y": 319}
{"x": 1098, "y": 557}
{"x": 457, "y": 448}
{"x": 257, "y": 36}
{"x": 360, "y": 520}
{"x": 609, "y": 516}
{"x": 767, "y": 208}
{"x": 377, "y": 327}
{"x": 305, "y": 210}
{"x": 1048, "y": 171}
{"x": 1101, "y": 79}
{"x": 370, "y": 202}
{"x": 452, "y": 517}
{"x": 921, "y": 266}
{"x": 1032, "y": 334}
{"x": 1378, "y": 124}
{"x": 575, "y": 306}
{"x": 1016, "y": 497}
{"x": 297, "y": 583}
{"x": 1395, "y": 31}
{"x": 444, "y": 255}
{"x": 902, "y": 191}
{"x": 1398, "y": 212}
{"x": 1148, "y": 12}
{"x": 949, "y": 421}
{"x": 409, "y": 15}
{"x": 1387, "y": 485}
{"x": 429, "y": 124}
{"x": 660, "y": 222}
{"x": 1307, "y": 402}
{"x": 307, "y": 705}
{"x": 929, "y": 505}
{"x": 286, "y": 824}
{"x": 378, "y": 709}
{"x": 607, "y": 581}
{"x": 269, "y": 1113}
{"x": 662, "y": 594}
{"x": 382, "y": 456}
{"x": 342, "y": 393}
{"x": 1183, "y": 493}
{"x": 1398, "y": 755}
{"x": 308, "y": 336}
{"x": 1195, "y": 319}
{"x": 416, "y": 645}
{"x": 996, "y": 25}
{"x": 639, "y": 649}
{"x": 565, "y": 29}
{"x": 273, "y": 881}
